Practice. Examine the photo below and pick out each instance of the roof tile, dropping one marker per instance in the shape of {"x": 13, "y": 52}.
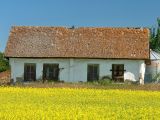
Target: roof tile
{"x": 84, "y": 42}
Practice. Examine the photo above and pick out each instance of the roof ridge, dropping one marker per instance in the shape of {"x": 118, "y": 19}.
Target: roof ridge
{"x": 87, "y": 27}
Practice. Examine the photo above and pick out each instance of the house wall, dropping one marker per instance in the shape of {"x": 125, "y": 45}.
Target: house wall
{"x": 74, "y": 70}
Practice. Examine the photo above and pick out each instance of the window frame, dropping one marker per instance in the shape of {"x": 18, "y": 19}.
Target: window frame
{"x": 55, "y": 73}
{"x": 116, "y": 69}
{"x": 94, "y": 76}
{"x": 32, "y": 71}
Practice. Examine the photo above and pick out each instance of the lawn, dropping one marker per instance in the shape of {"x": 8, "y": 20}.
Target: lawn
{"x": 81, "y": 103}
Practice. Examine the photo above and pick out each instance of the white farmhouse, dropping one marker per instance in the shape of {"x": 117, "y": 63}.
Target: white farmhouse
{"x": 77, "y": 54}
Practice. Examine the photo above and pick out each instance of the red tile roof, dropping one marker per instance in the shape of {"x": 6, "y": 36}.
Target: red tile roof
{"x": 83, "y": 42}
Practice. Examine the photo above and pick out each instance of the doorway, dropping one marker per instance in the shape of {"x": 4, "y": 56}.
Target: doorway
{"x": 92, "y": 72}
{"x": 118, "y": 72}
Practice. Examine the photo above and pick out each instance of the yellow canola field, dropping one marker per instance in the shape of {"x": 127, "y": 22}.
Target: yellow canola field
{"x": 77, "y": 104}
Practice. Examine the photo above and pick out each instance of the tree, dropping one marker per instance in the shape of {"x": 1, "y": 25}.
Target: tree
{"x": 4, "y": 63}
{"x": 155, "y": 37}
{"x": 152, "y": 38}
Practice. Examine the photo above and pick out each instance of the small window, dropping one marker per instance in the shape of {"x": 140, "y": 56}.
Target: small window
{"x": 29, "y": 71}
{"x": 118, "y": 72}
{"x": 50, "y": 71}
{"x": 93, "y": 72}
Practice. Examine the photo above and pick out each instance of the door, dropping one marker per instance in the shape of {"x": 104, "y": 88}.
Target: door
{"x": 93, "y": 72}
{"x": 29, "y": 72}
{"x": 118, "y": 72}
{"x": 50, "y": 72}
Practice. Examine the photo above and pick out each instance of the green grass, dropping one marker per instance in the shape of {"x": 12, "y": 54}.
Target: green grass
{"x": 70, "y": 103}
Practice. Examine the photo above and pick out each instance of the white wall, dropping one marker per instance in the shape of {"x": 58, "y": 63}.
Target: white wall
{"x": 76, "y": 69}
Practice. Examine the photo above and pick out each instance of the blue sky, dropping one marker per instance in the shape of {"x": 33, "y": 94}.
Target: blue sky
{"x": 106, "y": 13}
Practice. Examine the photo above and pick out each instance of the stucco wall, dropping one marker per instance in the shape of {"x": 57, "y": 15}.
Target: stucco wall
{"x": 75, "y": 70}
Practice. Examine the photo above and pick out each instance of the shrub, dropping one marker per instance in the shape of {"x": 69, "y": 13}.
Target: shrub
{"x": 4, "y": 64}
{"x": 105, "y": 80}
{"x": 106, "y": 77}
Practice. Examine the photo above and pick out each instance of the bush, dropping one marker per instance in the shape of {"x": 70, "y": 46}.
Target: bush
{"x": 4, "y": 63}
{"x": 105, "y": 80}
{"x": 106, "y": 77}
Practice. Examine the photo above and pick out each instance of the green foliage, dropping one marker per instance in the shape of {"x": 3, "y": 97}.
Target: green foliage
{"x": 158, "y": 21}
{"x": 155, "y": 37}
{"x": 105, "y": 80}
{"x": 4, "y": 64}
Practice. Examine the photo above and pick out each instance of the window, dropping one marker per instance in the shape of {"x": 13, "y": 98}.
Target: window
{"x": 93, "y": 72}
{"x": 29, "y": 72}
{"x": 50, "y": 71}
{"x": 118, "y": 72}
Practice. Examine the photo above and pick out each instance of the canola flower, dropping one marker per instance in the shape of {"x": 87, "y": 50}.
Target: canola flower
{"x": 77, "y": 104}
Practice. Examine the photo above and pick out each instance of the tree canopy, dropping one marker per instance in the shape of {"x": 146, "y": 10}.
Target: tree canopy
{"x": 155, "y": 37}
